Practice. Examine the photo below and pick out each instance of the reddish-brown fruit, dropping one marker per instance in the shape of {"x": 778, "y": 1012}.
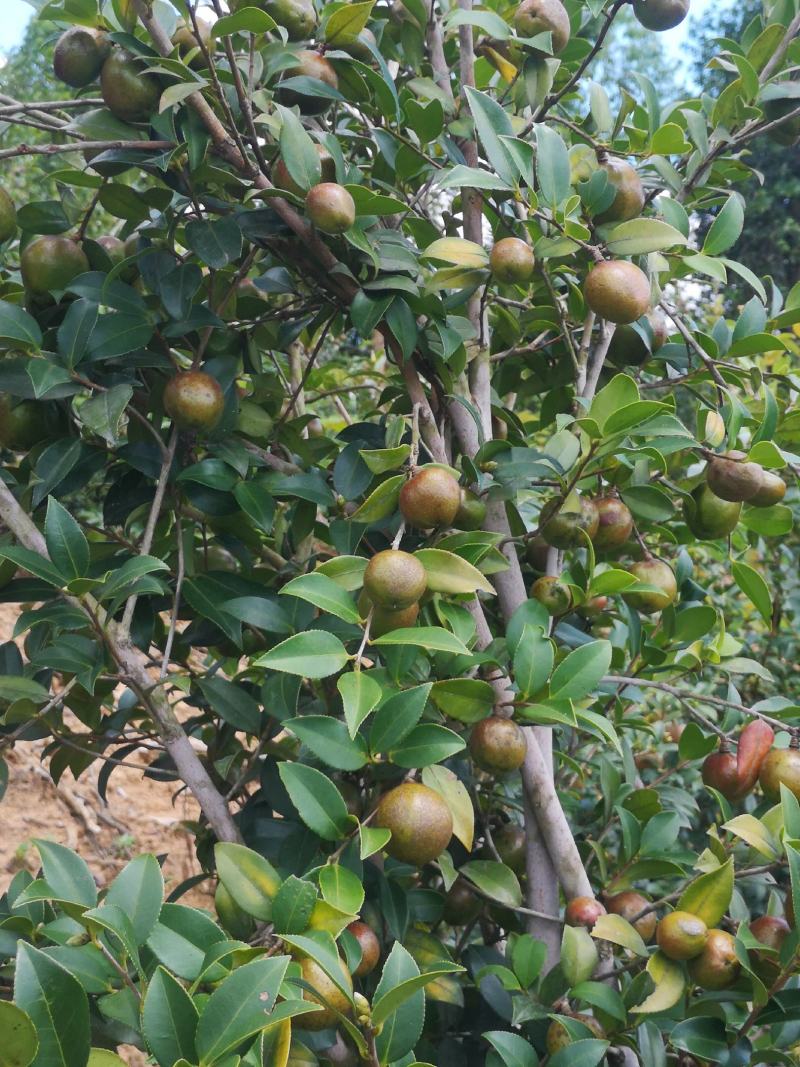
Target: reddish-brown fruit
{"x": 394, "y": 579}
{"x": 558, "y": 1036}
{"x": 419, "y": 820}
{"x": 594, "y": 606}
{"x": 628, "y": 202}
{"x": 553, "y": 593}
{"x": 497, "y": 745}
{"x": 583, "y": 911}
{"x": 755, "y": 742}
{"x": 282, "y": 179}
{"x": 309, "y": 65}
{"x": 717, "y": 966}
{"x": 661, "y": 576}
{"x": 194, "y": 400}
{"x": 781, "y": 766}
{"x": 719, "y": 772}
{"x": 681, "y": 935}
{"x": 732, "y": 477}
{"x": 564, "y": 524}
{"x": 430, "y": 498}
{"x": 511, "y": 261}
{"x": 771, "y": 491}
{"x": 370, "y": 947}
{"x": 660, "y": 15}
{"x": 461, "y": 903}
{"x": 615, "y": 523}
{"x": 544, "y": 16}
{"x": 629, "y": 904}
{"x": 330, "y": 207}
{"x": 770, "y": 930}
{"x": 617, "y": 290}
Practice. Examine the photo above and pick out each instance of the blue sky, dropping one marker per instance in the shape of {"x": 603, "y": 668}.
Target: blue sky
{"x": 17, "y": 13}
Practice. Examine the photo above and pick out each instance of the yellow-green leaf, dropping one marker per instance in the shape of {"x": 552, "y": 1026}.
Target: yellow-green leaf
{"x": 619, "y": 931}
{"x": 457, "y": 251}
{"x": 749, "y": 829}
{"x": 670, "y": 983}
{"x": 709, "y": 896}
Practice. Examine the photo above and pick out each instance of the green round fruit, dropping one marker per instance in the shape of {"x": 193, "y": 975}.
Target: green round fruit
{"x": 394, "y": 579}
{"x": 461, "y": 903}
{"x": 656, "y": 573}
{"x": 717, "y": 966}
{"x": 79, "y": 55}
{"x": 511, "y": 261}
{"x": 732, "y": 477}
{"x": 194, "y": 400}
{"x": 383, "y": 620}
{"x": 553, "y": 593}
{"x": 8, "y": 217}
{"x": 629, "y": 349}
{"x": 544, "y": 16}
{"x": 113, "y": 247}
{"x": 781, "y": 766}
{"x": 788, "y": 133}
{"x": 660, "y": 15}
{"x": 617, "y": 290}
{"x": 771, "y": 491}
{"x": 615, "y": 523}
{"x": 297, "y": 17}
{"x": 330, "y": 207}
{"x": 419, "y": 820}
{"x": 330, "y": 996}
{"x": 361, "y": 47}
{"x": 430, "y": 498}
{"x": 186, "y": 41}
{"x": 309, "y": 65}
{"x": 471, "y": 513}
{"x": 563, "y": 525}
{"x": 628, "y": 202}
{"x": 537, "y": 551}
{"x": 497, "y": 745}
{"x": 130, "y": 94}
{"x": 23, "y": 423}
{"x": 558, "y": 1037}
{"x": 51, "y": 263}
{"x": 681, "y": 935}
{"x": 708, "y": 516}
{"x": 282, "y": 179}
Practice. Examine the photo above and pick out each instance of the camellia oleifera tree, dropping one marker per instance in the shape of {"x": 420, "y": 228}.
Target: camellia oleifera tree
{"x": 358, "y": 480}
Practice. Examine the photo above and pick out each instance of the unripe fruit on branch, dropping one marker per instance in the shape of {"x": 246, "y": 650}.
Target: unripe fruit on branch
{"x": 330, "y": 207}
{"x": 658, "y": 574}
{"x": 788, "y": 133}
{"x": 461, "y": 903}
{"x": 753, "y": 747}
{"x": 509, "y": 842}
{"x": 79, "y": 55}
{"x": 660, "y": 15}
{"x": 8, "y": 217}
{"x": 541, "y": 16}
{"x": 394, "y": 579}
{"x": 431, "y": 497}
{"x": 583, "y": 911}
{"x": 629, "y": 348}
{"x": 681, "y": 935}
{"x": 614, "y": 523}
{"x": 497, "y": 745}
{"x": 717, "y": 966}
{"x": 24, "y": 423}
{"x": 617, "y": 290}
{"x": 629, "y": 199}
{"x": 282, "y": 179}
{"x": 553, "y": 593}
{"x": 732, "y": 477}
{"x": 113, "y": 247}
{"x": 719, "y": 772}
{"x": 309, "y": 65}
{"x": 563, "y": 523}
{"x": 781, "y": 766}
{"x": 708, "y": 516}
{"x": 383, "y": 621}
{"x": 370, "y": 947}
{"x": 629, "y": 904}
{"x": 194, "y": 400}
{"x": 186, "y": 41}
{"x": 49, "y": 263}
{"x": 130, "y": 94}
{"x": 471, "y": 513}
{"x": 327, "y": 989}
{"x": 419, "y": 820}
{"x": 770, "y": 930}
{"x": 511, "y": 261}
{"x": 558, "y": 1037}
{"x": 298, "y": 17}
{"x": 536, "y": 552}
{"x": 771, "y": 491}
